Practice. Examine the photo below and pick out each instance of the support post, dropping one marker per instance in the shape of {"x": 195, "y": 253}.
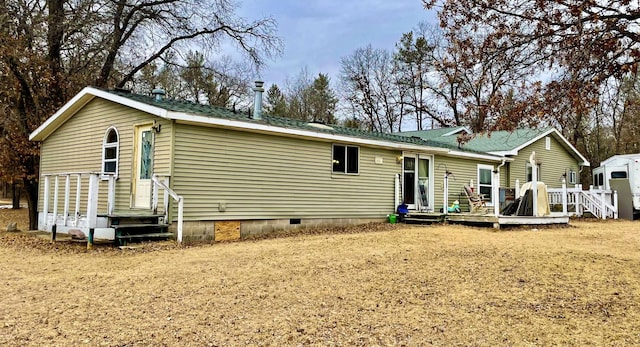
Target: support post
{"x": 166, "y": 200}
{"x": 92, "y": 201}
{"x": 78, "y": 192}
{"x": 67, "y": 193}
{"x": 603, "y": 205}
{"x": 111, "y": 194}
{"x": 54, "y": 229}
{"x": 615, "y": 204}
{"x": 564, "y": 197}
{"x": 517, "y": 191}
{"x": 55, "y": 200}
{"x": 45, "y": 203}
{"x": 534, "y": 187}
{"x": 180, "y": 218}
{"x": 90, "y": 239}
{"x": 154, "y": 194}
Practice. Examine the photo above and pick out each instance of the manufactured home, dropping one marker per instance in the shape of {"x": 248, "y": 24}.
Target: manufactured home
{"x": 113, "y": 161}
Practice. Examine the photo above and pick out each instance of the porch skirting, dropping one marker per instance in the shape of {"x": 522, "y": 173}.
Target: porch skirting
{"x": 195, "y": 231}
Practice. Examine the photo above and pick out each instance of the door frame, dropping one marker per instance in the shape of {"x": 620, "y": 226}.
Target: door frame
{"x": 135, "y": 167}
{"x": 431, "y": 185}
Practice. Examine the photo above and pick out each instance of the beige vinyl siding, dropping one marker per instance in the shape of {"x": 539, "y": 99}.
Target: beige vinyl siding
{"x": 553, "y": 163}
{"x": 261, "y": 176}
{"x": 463, "y": 171}
{"x": 76, "y": 146}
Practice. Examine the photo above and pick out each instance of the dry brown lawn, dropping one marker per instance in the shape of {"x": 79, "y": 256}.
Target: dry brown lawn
{"x": 432, "y": 285}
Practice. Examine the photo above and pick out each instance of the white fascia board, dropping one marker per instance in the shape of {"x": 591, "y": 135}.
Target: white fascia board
{"x": 259, "y": 127}
{"x": 478, "y": 156}
{"x": 455, "y": 131}
{"x": 504, "y": 153}
{"x": 82, "y": 98}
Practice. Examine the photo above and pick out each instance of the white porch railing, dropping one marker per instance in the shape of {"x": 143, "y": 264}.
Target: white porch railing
{"x": 74, "y": 216}
{"x": 164, "y": 184}
{"x": 600, "y": 203}
{"x": 53, "y": 217}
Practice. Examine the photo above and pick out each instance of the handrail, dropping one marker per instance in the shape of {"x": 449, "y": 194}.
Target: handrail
{"x": 158, "y": 183}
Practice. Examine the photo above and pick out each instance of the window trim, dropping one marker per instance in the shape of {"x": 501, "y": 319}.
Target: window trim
{"x": 573, "y": 177}
{"x": 346, "y": 159}
{"x": 106, "y": 145}
{"x": 485, "y": 167}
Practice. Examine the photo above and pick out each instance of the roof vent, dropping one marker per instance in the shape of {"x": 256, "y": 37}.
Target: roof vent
{"x": 257, "y": 100}
{"x": 158, "y": 93}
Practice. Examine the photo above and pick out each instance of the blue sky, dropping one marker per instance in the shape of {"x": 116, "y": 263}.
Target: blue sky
{"x": 317, "y": 33}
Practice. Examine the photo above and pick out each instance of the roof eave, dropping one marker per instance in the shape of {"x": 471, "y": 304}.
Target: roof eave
{"x": 80, "y": 100}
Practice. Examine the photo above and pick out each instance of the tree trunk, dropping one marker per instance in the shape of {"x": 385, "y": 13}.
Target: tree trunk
{"x": 15, "y": 193}
{"x": 31, "y": 188}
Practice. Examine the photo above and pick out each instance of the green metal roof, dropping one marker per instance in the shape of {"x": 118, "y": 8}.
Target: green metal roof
{"x": 221, "y": 112}
{"x": 433, "y": 134}
{"x": 496, "y": 141}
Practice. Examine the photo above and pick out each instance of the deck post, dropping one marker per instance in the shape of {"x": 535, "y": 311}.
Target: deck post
{"x": 92, "y": 201}
{"x": 78, "y": 192}
{"x": 603, "y": 204}
{"x": 180, "y": 218}
{"x": 55, "y": 199}
{"x": 578, "y": 199}
{"x": 90, "y": 239}
{"x": 154, "y": 194}
{"x": 67, "y": 187}
{"x": 564, "y": 197}
{"x": 615, "y": 204}
{"x": 517, "y": 191}
{"x": 53, "y": 233}
{"x": 45, "y": 203}
{"x": 166, "y": 200}
{"x": 534, "y": 186}
{"x": 111, "y": 195}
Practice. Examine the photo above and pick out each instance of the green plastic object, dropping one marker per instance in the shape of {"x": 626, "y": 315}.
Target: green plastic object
{"x": 392, "y": 218}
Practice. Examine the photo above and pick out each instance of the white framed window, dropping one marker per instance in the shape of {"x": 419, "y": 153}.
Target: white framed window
{"x": 529, "y": 172}
{"x": 485, "y": 181}
{"x": 346, "y": 159}
{"x": 573, "y": 177}
{"x": 110, "y": 151}
{"x": 547, "y": 143}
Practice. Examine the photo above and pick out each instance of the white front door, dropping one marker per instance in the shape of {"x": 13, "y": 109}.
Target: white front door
{"x": 417, "y": 182}
{"x": 143, "y": 167}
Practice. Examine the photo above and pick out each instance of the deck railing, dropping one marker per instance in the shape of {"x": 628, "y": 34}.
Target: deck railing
{"x": 164, "y": 185}
{"x": 599, "y": 202}
{"x": 65, "y": 218}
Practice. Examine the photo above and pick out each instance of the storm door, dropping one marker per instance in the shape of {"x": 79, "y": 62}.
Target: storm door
{"x": 143, "y": 167}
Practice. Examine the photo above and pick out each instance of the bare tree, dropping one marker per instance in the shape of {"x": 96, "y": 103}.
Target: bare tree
{"x": 49, "y": 49}
{"x": 368, "y": 84}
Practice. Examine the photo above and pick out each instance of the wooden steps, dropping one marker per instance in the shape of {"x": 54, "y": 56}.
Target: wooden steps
{"x": 140, "y": 227}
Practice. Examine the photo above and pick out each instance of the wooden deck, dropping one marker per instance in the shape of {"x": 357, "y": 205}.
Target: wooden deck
{"x": 487, "y": 220}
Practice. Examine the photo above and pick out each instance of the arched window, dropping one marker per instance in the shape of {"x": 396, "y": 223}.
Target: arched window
{"x": 110, "y": 151}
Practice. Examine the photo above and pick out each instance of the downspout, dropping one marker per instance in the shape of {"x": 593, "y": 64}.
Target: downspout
{"x": 496, "y": 187}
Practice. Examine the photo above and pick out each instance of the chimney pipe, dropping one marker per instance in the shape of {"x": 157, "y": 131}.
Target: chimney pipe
{"x": 257, "y": 100}
{"x": 158, "y": 93}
